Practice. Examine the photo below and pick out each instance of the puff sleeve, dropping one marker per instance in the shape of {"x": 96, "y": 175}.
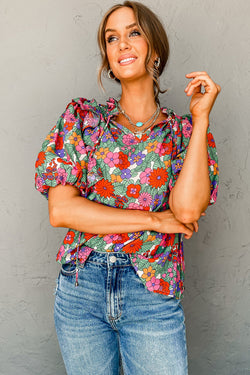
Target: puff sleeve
{"x": 63, "y": 156}
{"x": 181, "y": 133}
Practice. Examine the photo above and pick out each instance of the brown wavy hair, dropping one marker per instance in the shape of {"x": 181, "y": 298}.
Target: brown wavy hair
{"x": 153, "y": 31}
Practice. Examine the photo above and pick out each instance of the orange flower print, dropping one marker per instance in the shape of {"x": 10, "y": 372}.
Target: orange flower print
{"x": 148, "y": 273}
{"x": 167, "y": 163}
{"x": 158, "y": 177}
{"x": 75, "y": 138}
{"x": 133, "y": 190}
{"x": 40, "y": 159}
{"x": 151, "y": 146}
{"x": 133, "y": 246}
{"x": 51, "y": 136}
{"x": 116, "y": 178}
{"x": 151, "y": 238}
{"x": 216, "y": 170}
{"x": 104, "y": 188}
{"x": 102, "y": 152}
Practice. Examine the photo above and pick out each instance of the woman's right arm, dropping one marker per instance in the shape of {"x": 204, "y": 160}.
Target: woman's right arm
{"x": 68, "y": 209}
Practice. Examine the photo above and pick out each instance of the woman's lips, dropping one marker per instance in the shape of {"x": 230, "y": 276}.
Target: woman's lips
{"x": 127, "y": 60}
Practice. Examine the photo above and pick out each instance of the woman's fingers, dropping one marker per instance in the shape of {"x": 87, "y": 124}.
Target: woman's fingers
{"x": 187, "y": 230}
{"x": 202, "y": 80}
{"x": 196, "y": 226}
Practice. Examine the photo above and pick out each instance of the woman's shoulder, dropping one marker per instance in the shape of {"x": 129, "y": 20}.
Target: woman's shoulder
{"x": 82, "y": 106}
{"x": 173, "y": 115}
{"x": 177, "y": 122}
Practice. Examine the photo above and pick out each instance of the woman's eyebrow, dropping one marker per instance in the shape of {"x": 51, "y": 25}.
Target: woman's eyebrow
{"x": 127, "y": 27}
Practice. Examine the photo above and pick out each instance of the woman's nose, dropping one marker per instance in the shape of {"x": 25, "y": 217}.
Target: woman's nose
{"x": 124, "y": 44}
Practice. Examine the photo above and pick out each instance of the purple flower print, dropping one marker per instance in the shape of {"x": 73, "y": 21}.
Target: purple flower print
{"x": 107, "y": 137}
{"x": 177, "y": 165}
{"x": 60, "y": 153}
{"x": 118, "y": 246}
{"x": 126, "y": 173}
{"x": 137, "y": 158}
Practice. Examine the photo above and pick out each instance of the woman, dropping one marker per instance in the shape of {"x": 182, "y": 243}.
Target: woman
{"x": 128, "y": 178}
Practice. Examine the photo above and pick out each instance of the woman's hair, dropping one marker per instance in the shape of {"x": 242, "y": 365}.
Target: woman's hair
{"x": 154, "y": 33}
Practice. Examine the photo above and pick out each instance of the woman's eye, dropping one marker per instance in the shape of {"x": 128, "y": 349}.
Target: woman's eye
{"x": 135, "y": 33}
{"x": 110, "y": 39}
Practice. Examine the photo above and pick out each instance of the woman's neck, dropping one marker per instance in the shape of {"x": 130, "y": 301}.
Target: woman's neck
{"x": 138, "y": 100}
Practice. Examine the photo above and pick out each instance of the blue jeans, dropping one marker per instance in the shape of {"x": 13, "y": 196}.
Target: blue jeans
{"x": 110, "y": 316}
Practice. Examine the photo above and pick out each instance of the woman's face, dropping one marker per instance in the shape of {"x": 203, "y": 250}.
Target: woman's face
{"x": 126, "y": 47}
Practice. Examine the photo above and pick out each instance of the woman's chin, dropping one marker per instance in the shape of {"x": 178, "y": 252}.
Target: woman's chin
{"x": 130, "y": 76}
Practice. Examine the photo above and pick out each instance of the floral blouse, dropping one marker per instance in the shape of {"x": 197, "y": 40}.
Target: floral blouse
{"x": 113, "y": 166}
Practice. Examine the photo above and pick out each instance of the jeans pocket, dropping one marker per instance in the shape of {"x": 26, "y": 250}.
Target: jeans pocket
{"x": 68, "y": 269}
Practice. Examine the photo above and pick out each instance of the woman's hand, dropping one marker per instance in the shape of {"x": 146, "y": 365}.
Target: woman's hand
{"x": 166, "y": 222}
{"x": 201, "y": 103}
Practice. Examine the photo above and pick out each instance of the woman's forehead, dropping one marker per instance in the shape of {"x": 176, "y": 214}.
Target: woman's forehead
{"x": 122, "y": 17}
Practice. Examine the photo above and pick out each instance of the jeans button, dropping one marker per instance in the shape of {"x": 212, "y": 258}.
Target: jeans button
{"x": 112, "y": 259}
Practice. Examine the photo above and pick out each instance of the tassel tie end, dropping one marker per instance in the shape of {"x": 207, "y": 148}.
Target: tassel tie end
{"x": 76, "y": 282}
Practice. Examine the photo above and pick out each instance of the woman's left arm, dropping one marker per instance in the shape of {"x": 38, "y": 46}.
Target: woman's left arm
{"x": 190, "y": 195}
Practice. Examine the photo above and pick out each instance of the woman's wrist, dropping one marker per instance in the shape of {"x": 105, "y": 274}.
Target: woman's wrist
{"x": 202, "y": 119}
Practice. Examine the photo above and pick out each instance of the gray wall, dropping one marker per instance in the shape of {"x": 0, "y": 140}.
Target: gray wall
{"x": 49, "y": 56}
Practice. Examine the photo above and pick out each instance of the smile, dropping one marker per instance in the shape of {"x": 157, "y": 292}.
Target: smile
{"x": 127, "y": 61}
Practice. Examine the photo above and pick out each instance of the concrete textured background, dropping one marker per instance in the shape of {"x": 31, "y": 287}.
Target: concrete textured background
{"x": 49, "y": 55}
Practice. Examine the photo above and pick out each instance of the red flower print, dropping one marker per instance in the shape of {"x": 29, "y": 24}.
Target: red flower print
{"x": 133, "y": 190}
{"x": 40, "y": 159}
{"x": 104, "y": 188}
{"x": 68, "y": 126}
{"x": 166, "y": 148}
{"x": 210, "y": 140}
{"x": 158, "y": 177}
{"x": 88, "y": 236}
{"x": 120, "y": 200}
{"x": 59, "y": 142}
{"x": 121, "y": 238}
{"x": 50, "y": 173}
{"x": 167, "y": 240}
{"x": 69, "y": 237}
{"x": 122, "y": 162}
{"x": 164, "y": 287}
{"x": 133, "y": 246}
{"x": 77, "y": 170}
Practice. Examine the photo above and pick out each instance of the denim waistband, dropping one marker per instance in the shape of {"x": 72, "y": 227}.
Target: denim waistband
{"x": 109, "y": 259}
